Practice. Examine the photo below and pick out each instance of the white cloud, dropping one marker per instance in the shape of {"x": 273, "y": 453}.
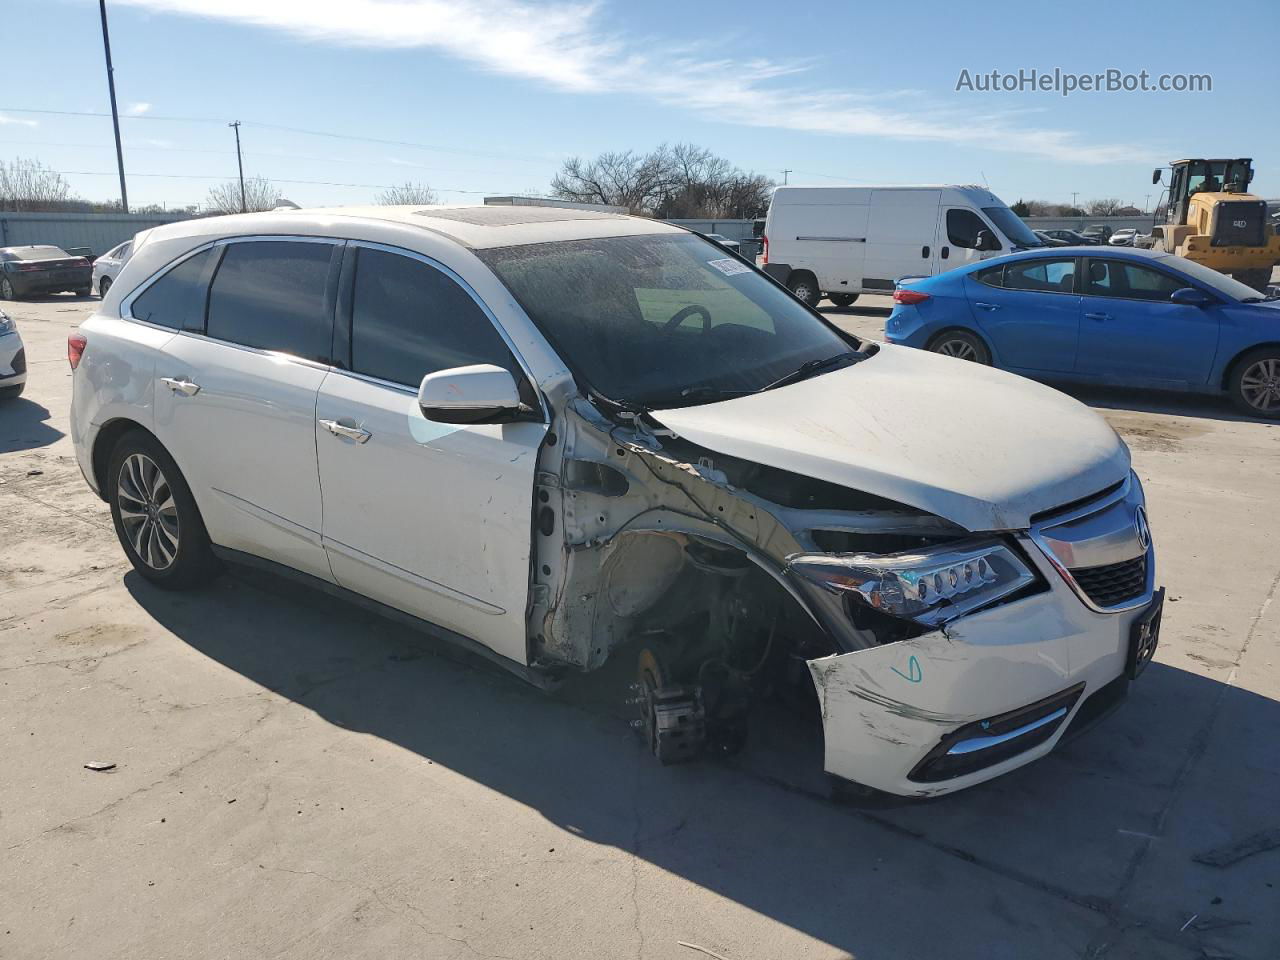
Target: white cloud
{"x": 17, "y": 122}
{"x": 563, "y": 45}
{"x": 137, "y": 109}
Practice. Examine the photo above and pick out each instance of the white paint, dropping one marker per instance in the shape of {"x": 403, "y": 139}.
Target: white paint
{"x": 983, "y": 448}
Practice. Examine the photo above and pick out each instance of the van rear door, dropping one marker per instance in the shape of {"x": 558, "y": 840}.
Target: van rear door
{"x": 900, "y": 237}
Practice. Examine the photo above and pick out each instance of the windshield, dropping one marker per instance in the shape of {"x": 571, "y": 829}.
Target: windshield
{"x": 1228, "y": 287}
{"x": 1012, "y": 227}
{"x": 665, "y": 320}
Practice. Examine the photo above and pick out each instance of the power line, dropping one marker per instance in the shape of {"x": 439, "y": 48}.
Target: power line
{"x": 295, "y": 130}
{"x": 202, "y": 176}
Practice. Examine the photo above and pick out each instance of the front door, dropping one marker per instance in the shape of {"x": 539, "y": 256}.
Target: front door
{"x": 958, "y": 229}
{"x": 431, "y": 518}
{"x": 1131, "y": 332}
{"x": 235, "y": 400}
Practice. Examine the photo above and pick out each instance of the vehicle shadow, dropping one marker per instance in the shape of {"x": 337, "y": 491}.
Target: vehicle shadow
{"x": 24, "y": 426}
{"x": 1023, "y": 861}
{"x": 854, "y": 310}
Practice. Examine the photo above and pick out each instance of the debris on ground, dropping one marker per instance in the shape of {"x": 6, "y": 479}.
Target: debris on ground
{"x": 1225, "y": 856}
{"x": 100, "y": 766}
{"x": 694, "y": 946}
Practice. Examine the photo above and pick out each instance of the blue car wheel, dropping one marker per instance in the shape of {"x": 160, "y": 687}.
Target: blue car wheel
{"x": 962, "y": 345}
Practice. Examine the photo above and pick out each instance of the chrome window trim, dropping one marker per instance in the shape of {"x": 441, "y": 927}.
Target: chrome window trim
{"x": 1034, "y": 534}
{"x": 476, "y": 298}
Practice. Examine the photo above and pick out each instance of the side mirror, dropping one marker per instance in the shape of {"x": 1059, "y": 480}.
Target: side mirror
{"x": 481, "y": 393}
{"x": 987, "y": 240}
{"x": 1155, "y": 175}
{"x": 1190, "y": 297}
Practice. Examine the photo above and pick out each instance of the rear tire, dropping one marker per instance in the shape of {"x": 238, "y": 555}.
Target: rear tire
{"x": 842, "y": 299}
{"x": 103, "y": 286}
{"x": 962, "y": 345}
{"x": 155, "y": 516}
{"x": 804, "y": 286}
{"x": 6, "y": 289}
{"x": 1254, "y": 383}
{"x": 83, "y": 291}
{"x": 12, "y": 393}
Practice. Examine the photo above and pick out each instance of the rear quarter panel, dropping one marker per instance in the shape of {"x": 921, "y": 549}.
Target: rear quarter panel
{"x": 115, "y": 380}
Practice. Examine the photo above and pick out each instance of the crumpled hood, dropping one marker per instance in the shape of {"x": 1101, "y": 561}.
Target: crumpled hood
{"x": 980, "y": 447}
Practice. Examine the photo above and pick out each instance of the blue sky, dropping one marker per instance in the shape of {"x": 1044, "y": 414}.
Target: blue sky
{"x": 493, "y": 94}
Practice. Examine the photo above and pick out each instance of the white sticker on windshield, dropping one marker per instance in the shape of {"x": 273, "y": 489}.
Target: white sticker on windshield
{"x": 729, "y": 266}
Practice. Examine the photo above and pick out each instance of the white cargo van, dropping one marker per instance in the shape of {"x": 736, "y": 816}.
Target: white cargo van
{"x": 842, "y": 241}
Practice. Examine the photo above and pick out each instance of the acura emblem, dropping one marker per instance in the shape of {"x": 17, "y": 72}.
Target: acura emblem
{"x": 1140, "y": 527}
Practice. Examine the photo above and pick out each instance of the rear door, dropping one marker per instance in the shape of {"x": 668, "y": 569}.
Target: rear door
{"x": 431, "y": 518}
{"x": 236, "y": 396}
{"x": 1130, "y": 332}
{"x": 1030, "y": 312}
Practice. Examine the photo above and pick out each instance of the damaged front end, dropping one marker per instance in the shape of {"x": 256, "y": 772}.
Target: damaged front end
{"x": 728, "y": 582}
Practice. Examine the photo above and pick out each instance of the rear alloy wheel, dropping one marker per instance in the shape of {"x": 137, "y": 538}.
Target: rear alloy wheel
{"x": 843, "y": 299}
{"x": 1255, "y": 383}
{"x": 103, "y": 286}
{"x": 155, "y": 515}
{"x": 962, "y": 345}
{"x": 6, "y": 290}
{"x": 805, "y": 288}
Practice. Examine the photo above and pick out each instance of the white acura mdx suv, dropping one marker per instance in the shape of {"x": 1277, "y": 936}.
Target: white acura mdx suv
{"x": 560, "y": 435}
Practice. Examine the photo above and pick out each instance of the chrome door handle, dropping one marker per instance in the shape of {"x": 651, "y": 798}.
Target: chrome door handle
{"x": 187, "y": 388}
{"x": 358, "y": 434}
{"x": 987, "y": 306}
{"x": 1097, "y": 316}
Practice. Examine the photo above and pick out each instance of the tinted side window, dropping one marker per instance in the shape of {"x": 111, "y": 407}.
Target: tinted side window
{"x": 1044, "y": 276}
{"x": 963, "y": 227}
{"x": 992, "y": 276}
{"x": 271, "y": 295}
{"x": 176, "y": 300}
{"x": 410, "y": 319}
{"x": 1112, "y": 278}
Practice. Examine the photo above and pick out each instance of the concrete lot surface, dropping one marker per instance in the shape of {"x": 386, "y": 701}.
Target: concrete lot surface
{"x": 295, "y": 778}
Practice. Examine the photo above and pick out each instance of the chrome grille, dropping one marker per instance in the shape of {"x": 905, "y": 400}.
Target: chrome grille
{"x": 1114, "y": 583}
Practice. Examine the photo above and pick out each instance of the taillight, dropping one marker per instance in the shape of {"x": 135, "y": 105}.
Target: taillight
{"x": 80, "y": 262}
{"x": 28, "y": 267}
{"x": 909, "y": 296}
{"x": 75, "y": 348}
{"x": 764, "y": 248}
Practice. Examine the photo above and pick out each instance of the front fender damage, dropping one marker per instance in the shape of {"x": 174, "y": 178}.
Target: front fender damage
{"x": 649, "y": 543}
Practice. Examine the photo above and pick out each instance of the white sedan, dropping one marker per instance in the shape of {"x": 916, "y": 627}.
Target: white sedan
{"x": 13, "y": 359}
{"x": 1123, "y": 238}
{"x": 107, "y": 267}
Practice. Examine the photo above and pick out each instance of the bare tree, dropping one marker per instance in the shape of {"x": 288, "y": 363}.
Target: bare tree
{"x": 1104, "y": 208}
{"x": 259, "y": 194}
{"x": 681, "y": 181}
{"x": 26, "y": 185}
{"x": 408, "y": 194}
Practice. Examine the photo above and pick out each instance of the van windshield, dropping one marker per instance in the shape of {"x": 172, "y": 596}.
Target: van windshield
{"x": 664, "y": 320}
{"x": 1011, "y": 225}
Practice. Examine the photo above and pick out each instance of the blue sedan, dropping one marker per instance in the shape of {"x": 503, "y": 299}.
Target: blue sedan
{"x": 1110, "y": 316}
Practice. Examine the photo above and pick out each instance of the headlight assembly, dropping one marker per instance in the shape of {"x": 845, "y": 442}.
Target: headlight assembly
{"x": 930, "y": 586}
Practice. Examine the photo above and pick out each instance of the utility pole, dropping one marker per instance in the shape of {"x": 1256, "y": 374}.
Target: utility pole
{"x": 785, "y": 173}
{"x": 1074, "y": 205}
{"x": 115, "y": 116}
{"x": 1146, "y": 205}
{"x": 244, "y": 207}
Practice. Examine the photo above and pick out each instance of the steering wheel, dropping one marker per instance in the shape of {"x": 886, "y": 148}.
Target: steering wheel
{"x": 685, "y": 314}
